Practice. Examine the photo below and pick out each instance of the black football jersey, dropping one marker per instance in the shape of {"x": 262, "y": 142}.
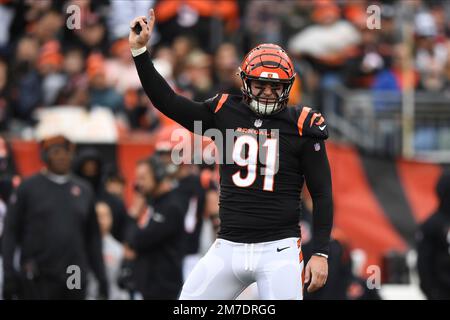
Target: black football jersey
{"x": 260, "y": 187}
{"x": 264, "y": 161}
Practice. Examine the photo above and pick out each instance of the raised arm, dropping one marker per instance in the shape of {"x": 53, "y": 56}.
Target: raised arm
{"x": 176, "y": 107}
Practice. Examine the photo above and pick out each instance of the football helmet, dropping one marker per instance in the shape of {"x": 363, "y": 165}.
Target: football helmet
{"x": 267, "y": 64}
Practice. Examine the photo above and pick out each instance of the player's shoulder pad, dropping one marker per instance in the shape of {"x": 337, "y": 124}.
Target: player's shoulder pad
{"x": 216, "y": 103}
{"x": 311, "y": 123}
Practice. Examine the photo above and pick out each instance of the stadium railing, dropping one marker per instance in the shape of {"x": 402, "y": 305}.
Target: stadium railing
{"x": 375, "y": 122}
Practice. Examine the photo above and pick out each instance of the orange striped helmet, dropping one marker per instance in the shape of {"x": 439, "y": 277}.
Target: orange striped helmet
{"x": 267, "y": 64}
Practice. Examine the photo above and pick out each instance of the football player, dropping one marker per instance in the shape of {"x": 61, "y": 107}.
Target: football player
{"x": 275, "y": 150}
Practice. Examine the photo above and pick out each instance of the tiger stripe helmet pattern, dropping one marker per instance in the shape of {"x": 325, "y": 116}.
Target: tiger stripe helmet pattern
{"x": 267, "y": 63}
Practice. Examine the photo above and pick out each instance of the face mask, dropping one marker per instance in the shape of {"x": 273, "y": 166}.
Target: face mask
{"x": 262, "y": 108}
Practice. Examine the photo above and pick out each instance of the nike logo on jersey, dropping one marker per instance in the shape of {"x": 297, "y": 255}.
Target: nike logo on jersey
{"x": 322, "y": 127}
{"x": 279, "y": 250}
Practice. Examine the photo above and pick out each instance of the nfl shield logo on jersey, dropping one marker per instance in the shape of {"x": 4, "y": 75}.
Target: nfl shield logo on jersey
{"x": 258, "y": 123}
{"x": 317, "y": 146}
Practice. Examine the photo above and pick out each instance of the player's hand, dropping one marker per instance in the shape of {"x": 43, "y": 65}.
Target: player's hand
{"x": 316, "y": 273}
{"x": 140, "y": 40}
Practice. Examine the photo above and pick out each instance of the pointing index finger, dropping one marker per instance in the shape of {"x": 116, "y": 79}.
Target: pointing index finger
{"x": 151, "y": 19}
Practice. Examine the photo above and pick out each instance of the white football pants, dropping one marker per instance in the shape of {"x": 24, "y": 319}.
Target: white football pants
{"x": 229, "y": 267}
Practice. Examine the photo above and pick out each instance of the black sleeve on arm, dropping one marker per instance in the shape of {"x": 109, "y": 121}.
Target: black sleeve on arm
{"x": 176, "y": 107}
{"x": 316, "y": 170}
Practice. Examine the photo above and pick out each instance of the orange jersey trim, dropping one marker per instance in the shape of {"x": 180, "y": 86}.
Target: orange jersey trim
{"x": 221, "y": 102}
{"x": 301, "y": 119}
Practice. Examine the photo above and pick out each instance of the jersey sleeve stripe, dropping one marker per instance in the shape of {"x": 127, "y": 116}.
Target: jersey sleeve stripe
{"x": 222, "y": 100}
{"x": 315, "y": 115}
{"x": 302, "y": 118}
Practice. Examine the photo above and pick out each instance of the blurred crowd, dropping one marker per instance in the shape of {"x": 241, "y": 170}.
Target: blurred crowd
{"x": 197, "y": 47}
{"x": 50, "y": 57}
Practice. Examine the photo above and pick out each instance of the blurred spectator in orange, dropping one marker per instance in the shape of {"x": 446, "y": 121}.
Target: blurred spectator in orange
{"x": 328, "y": 39}
{"x": 141, "y": 113}
{"x": 100, "y": 93}
{"x": 326, "y": 44}
{"x": 389, "y": 82}
{"x": 392, "y": 77}
{"x": 207, "y": 21}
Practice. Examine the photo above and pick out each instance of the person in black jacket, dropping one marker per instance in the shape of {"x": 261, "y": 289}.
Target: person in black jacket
{"x": 51, "y": 219}
{"x": 90, "y": 166}
{"x": 433, "y": 246}
{"x": 156, "y": 243}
